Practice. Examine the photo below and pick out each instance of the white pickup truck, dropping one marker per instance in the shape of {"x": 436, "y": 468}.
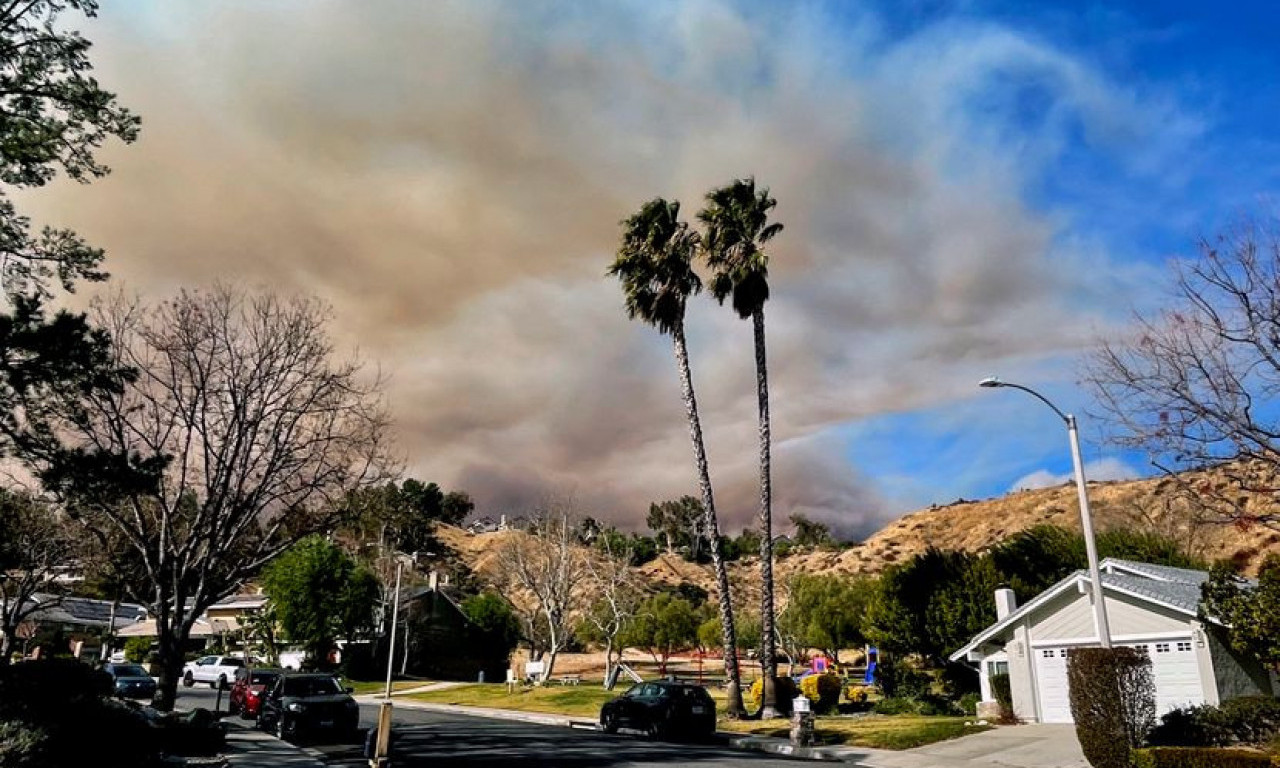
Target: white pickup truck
{"x": 217, "y": 671}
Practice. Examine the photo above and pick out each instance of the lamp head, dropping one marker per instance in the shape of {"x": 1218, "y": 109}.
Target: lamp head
{"x": 991, "y": 381}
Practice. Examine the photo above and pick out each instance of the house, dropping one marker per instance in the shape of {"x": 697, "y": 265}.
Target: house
{"x": 79, "y": 620}
{"x": 1150, "y": 607}
{"x": 221, "y": 621}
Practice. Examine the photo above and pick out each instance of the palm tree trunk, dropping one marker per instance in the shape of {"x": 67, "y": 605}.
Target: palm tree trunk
{"x": 733, "y": 689}
{"x": 768, "y": 661}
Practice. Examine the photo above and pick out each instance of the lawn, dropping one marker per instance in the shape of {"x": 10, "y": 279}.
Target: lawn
{"x": 875, "y": 731}
{"x": 378, "y": 686}
{"x": 573, "y": 700}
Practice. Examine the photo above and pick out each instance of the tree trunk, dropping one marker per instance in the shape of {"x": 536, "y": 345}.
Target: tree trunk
{"x": 768, "y": 661}
{"x": 8, "y": 640}
{"x": 733, "y": 690}
{"x": 170, "y": 642}
{"x": 608, "y": 661}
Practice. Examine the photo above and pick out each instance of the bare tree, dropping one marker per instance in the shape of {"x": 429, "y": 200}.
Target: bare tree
{"x": 34, "y": 546}
{"x": 546, "y": 564}
{"x": 617, "y": 595}
{"x": 1196, "y": 383}
{"x": 236, "y": 435}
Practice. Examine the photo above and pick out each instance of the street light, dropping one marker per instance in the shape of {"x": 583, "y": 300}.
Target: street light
{"x": 1086, "y": 518}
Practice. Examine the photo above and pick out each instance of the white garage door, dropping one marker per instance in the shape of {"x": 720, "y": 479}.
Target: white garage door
{"x": 1173, "y": 665}
{"x": 1176, "y": 673}
{"x": 1051, "y": 680}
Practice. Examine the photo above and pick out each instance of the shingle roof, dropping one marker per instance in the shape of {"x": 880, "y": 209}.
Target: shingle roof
{"x": 1159, "y": 572}
{"x": 80, "y": 610}
{"x": 1181, "y": 595}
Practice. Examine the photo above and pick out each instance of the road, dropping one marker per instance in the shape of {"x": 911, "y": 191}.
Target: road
{"x": 435, "y": 739}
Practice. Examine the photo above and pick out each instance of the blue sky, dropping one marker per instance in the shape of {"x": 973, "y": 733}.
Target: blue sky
{"x": 968, "y": 189}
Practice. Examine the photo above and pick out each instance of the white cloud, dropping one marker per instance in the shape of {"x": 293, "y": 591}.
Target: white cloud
{"x": 1100, "y": 470}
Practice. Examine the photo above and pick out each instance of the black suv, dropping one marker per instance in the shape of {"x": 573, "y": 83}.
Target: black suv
{"x": 305, "y": 705}
{"x": 662, "y": 709}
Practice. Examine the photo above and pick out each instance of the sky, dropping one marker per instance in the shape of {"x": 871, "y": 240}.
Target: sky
{"x": 967, "y": 188}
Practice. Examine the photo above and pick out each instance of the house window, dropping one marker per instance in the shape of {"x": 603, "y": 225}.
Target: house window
{"x": 1142, "y": 649}
{"x": 1162, "y": 647}
{"x": 1183, "y": 647}
{"x": 997, "y": 668}
{"x": 1048, "y": 653}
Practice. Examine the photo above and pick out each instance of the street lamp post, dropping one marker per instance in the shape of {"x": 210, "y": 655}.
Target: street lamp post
{"x": 1086, "y": 517}
{"x": 383, "y": 744}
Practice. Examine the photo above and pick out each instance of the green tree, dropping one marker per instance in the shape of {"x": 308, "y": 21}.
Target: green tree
{"x": 663, "y": 624}
{"x": 1252, "y": 612}
{"x": 810, "y": 533}
{"x": 676, "y": 521}
{"x": 655, "y": 265}
{"x": 495, "y": 622}
{"x": 320, "y": 595}
{"x": 827, "y": 612}
{"x": 736, "y": 229}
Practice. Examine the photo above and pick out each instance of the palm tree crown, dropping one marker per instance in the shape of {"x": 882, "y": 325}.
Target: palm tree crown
{"x": 737, "y": 225}
{"x": 655, "y": 264}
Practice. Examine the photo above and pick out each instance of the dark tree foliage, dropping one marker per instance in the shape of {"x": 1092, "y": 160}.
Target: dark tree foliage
{"x": 34, "y": 544}
{"x": 810, "y": 533}
{"x": 1252, "y": 612}
{"x": 404, "y": 516}
{"x": 53, "y": 118}
{"x": 1113, "y": 702}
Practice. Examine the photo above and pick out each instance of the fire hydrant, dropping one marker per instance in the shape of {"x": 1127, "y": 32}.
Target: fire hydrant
{"x": 801, "y": 722}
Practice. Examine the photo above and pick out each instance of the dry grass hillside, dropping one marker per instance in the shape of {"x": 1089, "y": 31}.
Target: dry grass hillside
{"x": 1151, "y": 504}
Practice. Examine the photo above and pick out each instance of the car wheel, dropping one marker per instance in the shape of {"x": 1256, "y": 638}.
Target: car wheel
{"x": 609, "y": 721}
{"x": 188, "y": 680}
{"x": 285, "y": 731}
{"x": 657, "y": 730}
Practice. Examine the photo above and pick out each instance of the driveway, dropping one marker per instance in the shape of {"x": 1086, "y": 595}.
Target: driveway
{"x": 1015, "y": 746}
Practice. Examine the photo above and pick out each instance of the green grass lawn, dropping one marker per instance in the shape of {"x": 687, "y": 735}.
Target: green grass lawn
{"x": 573, "y": 700}
{"x": 378, "y": 686}
{"x": 875, "y": 731}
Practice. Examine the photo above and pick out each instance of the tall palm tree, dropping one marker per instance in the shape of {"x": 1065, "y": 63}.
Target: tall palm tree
{"x": 655, "y": 265}
{"x": 736, "y": 222}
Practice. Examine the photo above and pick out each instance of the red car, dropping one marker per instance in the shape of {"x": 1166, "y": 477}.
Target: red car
{"x": 248, "y": 690}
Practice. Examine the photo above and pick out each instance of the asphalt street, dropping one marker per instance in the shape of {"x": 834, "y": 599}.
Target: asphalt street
{"x": 436, "y": 739}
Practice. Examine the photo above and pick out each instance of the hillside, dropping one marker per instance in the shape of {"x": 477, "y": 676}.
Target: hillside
{"x": 1151, "y": 504}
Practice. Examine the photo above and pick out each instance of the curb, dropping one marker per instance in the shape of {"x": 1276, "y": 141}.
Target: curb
{"x": 247, "y": 735}
{"x": 745, "y": 742}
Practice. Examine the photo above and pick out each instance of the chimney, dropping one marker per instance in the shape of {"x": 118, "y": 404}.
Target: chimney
{"x": 433, "y": 580}
{"x": 1006, "y": 602}
{"x": 502, "y": 522}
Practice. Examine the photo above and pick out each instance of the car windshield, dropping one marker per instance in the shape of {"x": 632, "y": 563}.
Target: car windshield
{"x": 232, "y": 663}
{"x": 311, "y": 686}
{"x": 129, "y": 670}
{"x": 264, "y": 678}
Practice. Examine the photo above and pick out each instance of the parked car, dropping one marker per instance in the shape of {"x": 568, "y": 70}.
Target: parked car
{"x": 217, "y": 671}
{"x": 248, "y": 690}
{"x": 662, "y": 709}
{"x": 304, "y": 705}
{"x": 292, "y": 659}
{"x": 131, "y": 681}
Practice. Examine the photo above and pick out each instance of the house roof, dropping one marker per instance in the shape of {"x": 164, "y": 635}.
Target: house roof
{"x": 1177, "y": 589}
{"x": 83, "y": 611}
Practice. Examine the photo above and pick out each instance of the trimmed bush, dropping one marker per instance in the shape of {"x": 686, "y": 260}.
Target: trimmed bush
{"x": 786, "y": 691}
{"x": 969, "y": 703}
{"x": 1246, "y": 719}
{"x": 823, "y": 690}
{"x": 136, "y": 649}
{"x": 895, "y": 705}
{"x": 1113, "y": 702}
{"x": 1199, "y": 757}
{"x": 1252, "y": 719}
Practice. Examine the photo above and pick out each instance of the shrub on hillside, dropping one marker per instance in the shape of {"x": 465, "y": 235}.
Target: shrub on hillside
{"x": 1112, "y": 701}
{"x": 1198, "y": 757}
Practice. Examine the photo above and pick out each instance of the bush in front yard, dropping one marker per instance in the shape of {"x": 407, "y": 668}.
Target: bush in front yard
{"x": 1247, "y": 719}
{"x": 1002, "y": 690}
{"x": 786, "y": 691}
{"x": 823, "y": 690}
{"x": 1199, "y": 757}
{"x": 1112, "y": 701}
{"x": 969, "y": 703}
{"x": 136, "y": 649}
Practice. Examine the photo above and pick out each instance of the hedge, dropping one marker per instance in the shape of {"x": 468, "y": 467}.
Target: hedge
{"x": 1199, "y": 757}
{"x": 786, "y": 691}
{"x": 1113, "y": 702}
{"x": 823, "y": 690}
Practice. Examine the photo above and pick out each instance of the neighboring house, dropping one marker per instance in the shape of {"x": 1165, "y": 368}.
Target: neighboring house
{"x": 483, "y": 525}
{"x": 441, "y": 642}
{"x": 236, "y": 608}
{"x": 222, "y": 620}
{"x": 81, "y": 620}
{"x": 1150, "y": 607}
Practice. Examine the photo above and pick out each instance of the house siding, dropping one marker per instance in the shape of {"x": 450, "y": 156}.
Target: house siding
{"x": 1236, "y": 675}
{"x": 1069, "y": 618}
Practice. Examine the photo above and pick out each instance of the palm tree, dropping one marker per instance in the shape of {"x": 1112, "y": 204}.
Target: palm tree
{"x": 655, "y": 265}
{"x": 736, "y": 221}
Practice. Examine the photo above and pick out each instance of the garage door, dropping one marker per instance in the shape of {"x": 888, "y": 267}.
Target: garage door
{"x": 1174, "y": 669}
{"x": 1176, "y": 673}
{"x": 1051, "y": 681}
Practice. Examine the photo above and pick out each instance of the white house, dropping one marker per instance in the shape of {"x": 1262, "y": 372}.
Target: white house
{"x": 1150, "y": 607}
